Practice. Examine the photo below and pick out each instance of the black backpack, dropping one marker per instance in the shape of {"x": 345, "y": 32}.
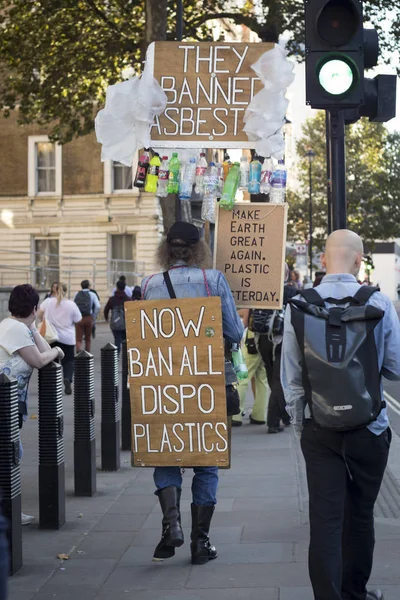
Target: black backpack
{"x": 341, "y": 377}
{"x": 83, "y": 301}
{"x": 117, "y": 322}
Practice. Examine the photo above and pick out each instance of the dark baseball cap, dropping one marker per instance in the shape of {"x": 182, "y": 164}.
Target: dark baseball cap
{"x": 183, "y": 234}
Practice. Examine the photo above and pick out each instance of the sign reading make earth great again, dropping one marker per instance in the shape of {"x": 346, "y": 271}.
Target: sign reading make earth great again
{"x": 209, "y": 86}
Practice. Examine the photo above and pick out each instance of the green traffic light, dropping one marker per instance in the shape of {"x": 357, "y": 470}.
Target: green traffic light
{"x": 336, "y": 76}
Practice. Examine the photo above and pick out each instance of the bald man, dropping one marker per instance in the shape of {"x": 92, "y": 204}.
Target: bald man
{"x": 344, "y": 468}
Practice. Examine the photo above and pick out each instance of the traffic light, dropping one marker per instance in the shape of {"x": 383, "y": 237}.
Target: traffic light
{"x": 369, "y": 264}
{"x": 338, "y": 49}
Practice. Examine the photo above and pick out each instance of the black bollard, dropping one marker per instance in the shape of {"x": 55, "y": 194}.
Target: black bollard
{"x": 51, "y": 448}
{"x": 10, "y": 471}
{"x": 110, "y": 412}
{"x": 126, "y": 431}
{"x": 84, "y": 426}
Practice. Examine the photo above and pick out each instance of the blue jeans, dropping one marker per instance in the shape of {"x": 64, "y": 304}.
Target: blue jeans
{"x": 204, "y": 483}
{"x": 119, "y": 337}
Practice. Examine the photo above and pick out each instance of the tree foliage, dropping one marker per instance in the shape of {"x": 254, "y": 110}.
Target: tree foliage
{"x": 57, "y": 57}
{"x": 372, "y": 178}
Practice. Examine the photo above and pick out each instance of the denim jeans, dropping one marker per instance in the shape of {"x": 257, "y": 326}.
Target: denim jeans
{"x": 204, "y": 483}
{"x": 119, "y": 337}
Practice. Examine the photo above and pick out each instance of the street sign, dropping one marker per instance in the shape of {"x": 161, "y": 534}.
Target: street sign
{"x": 209, "y": 86}
{"x": 177, "y": 382}
{"x": 250, "y": 251}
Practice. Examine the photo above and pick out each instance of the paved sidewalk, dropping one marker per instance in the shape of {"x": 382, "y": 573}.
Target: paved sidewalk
{"x": 260, "y": 529}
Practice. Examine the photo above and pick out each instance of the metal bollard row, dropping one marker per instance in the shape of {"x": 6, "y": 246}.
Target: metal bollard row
{"x": 110, "y": 410}
{"x": 10, "y": 472}
{"x": 84, "y": 426}
{"x": 126, "y": 433}
{"x": 51, "y": 448}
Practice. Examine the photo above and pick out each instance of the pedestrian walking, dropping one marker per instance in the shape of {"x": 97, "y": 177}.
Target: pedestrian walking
{"x": 89, "y": 306}
{"x": 53, "y": 291}
{"x": 184, "y": 257}
{"x": 23, "y": 349}
{"x": 256, "y": 373}
{"x": 127, "y": 289}
{"x": 63, "y": 315}
{"x": 115, "y": 304}
{"x": 137, "y": 293}
{"x": 94, "y": 316}
{"x": 339, "y": 339}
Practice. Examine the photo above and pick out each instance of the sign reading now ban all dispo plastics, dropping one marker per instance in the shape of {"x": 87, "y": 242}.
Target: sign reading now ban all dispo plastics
{"x": 250, "y": 251}
{"x": 177, "y": 382}
{"x": 209, "y": 86}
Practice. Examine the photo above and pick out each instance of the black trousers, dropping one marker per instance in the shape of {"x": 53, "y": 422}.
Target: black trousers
{"x": 344, "y": 474}
{"x": 68, "y": 360}
{"x": 272, "y": 362}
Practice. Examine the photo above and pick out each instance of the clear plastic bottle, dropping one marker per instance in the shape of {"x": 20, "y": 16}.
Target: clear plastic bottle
{"x": 255, "y": 176}
{"x": 230, "y": 187}
{"x": 278, "y": 183}
{"x": 186, "y": 210}
{"x": 209, "y": 206}
{"x": 201, "y": 167}
{"x": 188, "y": 174}
{"x": 173, "y": 179}
{"x": 266, "y": 173}
{"x": 152, "y": 174}
{"x": 226, "y": 165}
{"x": 244, "y": 173}
{"x": 163, "y": 174}
{"x": 239, "y": 364}
{"x": 141, "y": 171}
{"x": 221, "y": 179}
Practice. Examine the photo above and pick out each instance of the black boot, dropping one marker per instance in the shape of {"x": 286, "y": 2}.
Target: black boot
{"x": 201, "y": 549}
{"x": 172, "y": 534}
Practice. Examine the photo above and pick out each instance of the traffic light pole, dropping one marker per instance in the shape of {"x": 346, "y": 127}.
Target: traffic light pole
{"x": 336, "y": 138}
{"x": 328, "y": 173}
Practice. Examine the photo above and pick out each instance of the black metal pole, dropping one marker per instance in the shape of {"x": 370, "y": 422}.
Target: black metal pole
{"x": 51, "y": 448}
{"x": 126, "y": 434}
{"x": 110, "y": 412}
{"x": 179, "y": 35}
{"x": 328, "y": 171}
{"x": 84, "y": 426}
{"x": 10, "y": 472}
{"x": 338, "y": 162}
{"x": 310, "y": 208}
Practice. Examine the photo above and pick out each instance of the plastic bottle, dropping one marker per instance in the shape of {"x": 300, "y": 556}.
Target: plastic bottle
{"x": 187, "y": 180}
{"x": 186, "y": 210}
{"x": 266, "y": 173}
{"x": 208, "y": 208}
{"x": 244, "y": 173}
{"x": 239, "y": 364}
{"x": 221, "y": 179}
{"x": 173, "y": 179}
{"x": 278, "y": 183}
{"x": 201, "y": 167}
{"x": 152, "y": 174}
{"x": 230, "y": 187}
{"x": 255, "y": 176}
{"x": 141, "y": 172}
{"x": 163, "y": 174}
{"x": 226, "y": 165}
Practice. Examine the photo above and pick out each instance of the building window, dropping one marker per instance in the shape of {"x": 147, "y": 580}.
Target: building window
{"x": 123, "y": 254}
{"x": 122, "y": 177}
{"x": 47, "y": 262}
{"x": 44, "y": 167}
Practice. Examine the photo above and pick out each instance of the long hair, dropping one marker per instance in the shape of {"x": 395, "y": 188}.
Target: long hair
{"x": 61, "y": 291}
{"x": 198, "y": 255}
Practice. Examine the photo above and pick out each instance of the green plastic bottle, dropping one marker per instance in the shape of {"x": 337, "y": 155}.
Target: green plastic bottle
{"x": 152, "y": 174}
{"x": 230, "y": 187}
{"x": 239, "y": 364}
{"x": 174, "y": 168}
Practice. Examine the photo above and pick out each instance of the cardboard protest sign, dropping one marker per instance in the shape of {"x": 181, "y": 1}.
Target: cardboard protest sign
{"x": 250, "y": 251}
{"x": 177, "y": 382}
{"x": 209, "y": 86}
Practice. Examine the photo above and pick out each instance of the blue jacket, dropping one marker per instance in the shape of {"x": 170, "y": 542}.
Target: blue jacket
{"x": 188, "y": 282}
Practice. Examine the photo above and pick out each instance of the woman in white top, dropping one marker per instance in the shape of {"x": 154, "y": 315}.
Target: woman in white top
{"x": 62, "y": 314}
{"x": 22, "y": 348}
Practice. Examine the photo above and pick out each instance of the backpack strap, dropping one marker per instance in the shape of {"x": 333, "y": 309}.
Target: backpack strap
{"x": 364, "y": 294}
{"x": 312, "y": 297}
{"x": 169, "y": 285}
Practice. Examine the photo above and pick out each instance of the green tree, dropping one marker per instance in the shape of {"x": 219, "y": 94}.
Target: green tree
{"x": 372, "y": 180}
{"x": 57, "y": 57}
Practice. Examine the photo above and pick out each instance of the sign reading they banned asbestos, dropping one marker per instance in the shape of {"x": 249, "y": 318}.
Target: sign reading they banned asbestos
{"x": 209, "y": 86}
{"x": 177, "y": 382}
{"x": 250, "y": 251}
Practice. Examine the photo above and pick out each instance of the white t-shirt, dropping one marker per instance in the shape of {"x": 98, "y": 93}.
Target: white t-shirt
{"x": 13, "y": 336}
{"x": 62, "y": 318}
